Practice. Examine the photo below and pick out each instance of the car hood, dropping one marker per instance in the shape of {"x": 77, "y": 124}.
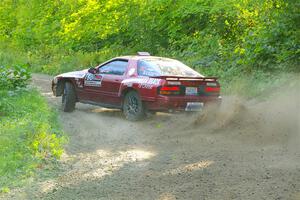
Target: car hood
{"x": 75, "y": 74}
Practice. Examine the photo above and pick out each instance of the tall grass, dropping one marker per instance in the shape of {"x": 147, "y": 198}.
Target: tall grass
{"x": 29, "y": 135}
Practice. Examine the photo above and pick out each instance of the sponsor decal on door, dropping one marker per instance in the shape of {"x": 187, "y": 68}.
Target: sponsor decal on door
{"x": 93, "y": 80}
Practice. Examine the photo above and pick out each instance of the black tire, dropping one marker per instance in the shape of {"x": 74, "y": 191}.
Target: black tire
{"x": 68, "y": 97}
{"x": 133, "y": 107}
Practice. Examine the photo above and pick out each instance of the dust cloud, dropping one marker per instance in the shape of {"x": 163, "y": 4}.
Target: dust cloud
{"x": 265, "y": 120}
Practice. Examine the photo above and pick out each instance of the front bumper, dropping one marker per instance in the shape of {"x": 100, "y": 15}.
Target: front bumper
{"x": 57, "y": 86}
{"x": 53, "y": 87}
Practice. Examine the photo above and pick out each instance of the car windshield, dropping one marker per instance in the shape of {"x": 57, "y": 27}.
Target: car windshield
{"x": 164, "y": 67}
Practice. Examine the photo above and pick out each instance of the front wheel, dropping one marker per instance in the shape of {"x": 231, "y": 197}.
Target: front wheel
{"x": 133, "y": 107}
{"x": 68, "y": 97}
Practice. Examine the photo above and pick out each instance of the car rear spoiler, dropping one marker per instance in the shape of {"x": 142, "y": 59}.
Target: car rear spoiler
{"x": 184, "y": 78}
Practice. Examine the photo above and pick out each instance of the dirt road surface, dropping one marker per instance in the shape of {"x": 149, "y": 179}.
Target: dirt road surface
{"x": 248, "y": 150}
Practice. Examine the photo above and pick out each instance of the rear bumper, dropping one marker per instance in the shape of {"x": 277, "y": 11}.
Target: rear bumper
{"x": 175, "y": 103}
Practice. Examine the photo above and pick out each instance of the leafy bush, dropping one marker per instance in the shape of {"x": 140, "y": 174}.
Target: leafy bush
{"x": 221, "y": 38}
{"x": 248, "y": 34}
{"x": 13, "y": 77}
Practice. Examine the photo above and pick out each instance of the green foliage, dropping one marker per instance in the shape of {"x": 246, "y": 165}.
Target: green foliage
{"x": 215, "y": 37}
{"x": 29, "y": 135}
{"x": 13, "y": 77}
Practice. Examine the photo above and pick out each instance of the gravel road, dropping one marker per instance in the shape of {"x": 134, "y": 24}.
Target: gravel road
{"x": 248, "y": 150}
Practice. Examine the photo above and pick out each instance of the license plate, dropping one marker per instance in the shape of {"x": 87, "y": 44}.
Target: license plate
{"x": 194, "y": 106}
{"x": 191, "y": 91}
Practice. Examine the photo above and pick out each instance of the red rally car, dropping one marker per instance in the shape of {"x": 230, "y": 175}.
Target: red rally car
{"x": 137, "y": 85}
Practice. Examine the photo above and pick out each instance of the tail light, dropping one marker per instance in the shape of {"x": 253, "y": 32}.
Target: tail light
{"x": 212, "y": 89}
{"x": 169, "y": 90}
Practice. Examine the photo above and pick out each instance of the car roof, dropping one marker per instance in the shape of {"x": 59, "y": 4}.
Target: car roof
{"x": 137, "y": 57}
{"x": 133, "y": 57}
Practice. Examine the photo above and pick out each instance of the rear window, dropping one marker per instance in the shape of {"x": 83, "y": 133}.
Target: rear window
{"x": 164, "y": 67}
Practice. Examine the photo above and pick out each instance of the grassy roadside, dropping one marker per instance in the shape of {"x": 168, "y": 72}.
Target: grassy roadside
{"x": 30, "y": 136}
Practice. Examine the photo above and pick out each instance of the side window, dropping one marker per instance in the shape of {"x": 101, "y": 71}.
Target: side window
{"x": 148, "y": 69}
{"x": 117, "y": 67}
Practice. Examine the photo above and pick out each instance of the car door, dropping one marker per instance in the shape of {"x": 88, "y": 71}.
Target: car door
{"x": 112, "y": 74}
{"x": 88, "y": 87}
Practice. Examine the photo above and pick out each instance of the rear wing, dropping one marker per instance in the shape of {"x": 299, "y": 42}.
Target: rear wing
{"x": 184, "y": 78}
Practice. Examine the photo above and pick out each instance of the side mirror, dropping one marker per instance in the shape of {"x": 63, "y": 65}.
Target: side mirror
{"x": 92, "y": 70}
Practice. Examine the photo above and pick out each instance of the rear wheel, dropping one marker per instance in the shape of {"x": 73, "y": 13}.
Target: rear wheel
{"x": 68, "y": 97}
{"x": 133, "y": 107}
